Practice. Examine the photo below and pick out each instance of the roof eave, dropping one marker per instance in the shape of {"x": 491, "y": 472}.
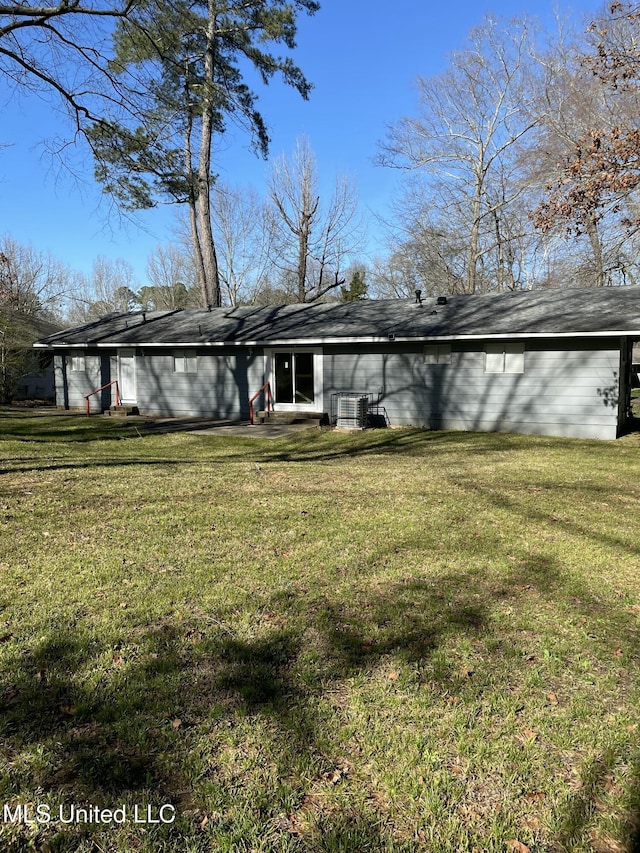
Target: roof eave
{"x": 356, "y": 339}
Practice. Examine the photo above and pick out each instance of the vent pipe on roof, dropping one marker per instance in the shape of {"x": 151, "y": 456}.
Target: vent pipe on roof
{"x": 418, "y": 297}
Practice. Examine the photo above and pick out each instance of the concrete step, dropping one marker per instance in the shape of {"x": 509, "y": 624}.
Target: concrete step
{"x": 265, "y": 417}
{"x": 123, "y": 411}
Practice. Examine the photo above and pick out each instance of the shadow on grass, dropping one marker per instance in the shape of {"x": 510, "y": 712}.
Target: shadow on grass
{"x": 115, "y": 738}
{"x": 62, "y": 428}
{"x": 86, "y": 719}
{"x": 307, "y": 445}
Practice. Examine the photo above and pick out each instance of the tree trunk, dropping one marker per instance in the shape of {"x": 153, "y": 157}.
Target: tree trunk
{"x": 596, "y": 247}
{"x": 211, "y": 281}
{"x": 474, "y": 237}
{"x": 303, "y": 251}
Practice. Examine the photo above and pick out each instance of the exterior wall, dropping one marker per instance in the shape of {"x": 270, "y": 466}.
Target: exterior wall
{"x": 220, "y": 388}
{"x": 72, "y": 385}
{"x": 568, "y": 387}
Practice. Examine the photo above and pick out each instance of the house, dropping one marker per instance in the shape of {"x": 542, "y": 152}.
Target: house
{"x": 552, "y": 362}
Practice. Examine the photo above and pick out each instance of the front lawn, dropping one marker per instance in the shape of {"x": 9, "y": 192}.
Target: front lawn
{"x": 390, "y": 641}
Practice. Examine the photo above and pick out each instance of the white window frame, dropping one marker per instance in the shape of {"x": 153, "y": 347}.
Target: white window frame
{"x": 77, "y": 361}
{"x": 437, "y": 354}
{"x": 185, "y": 361}
{"x": 504, "y": 357}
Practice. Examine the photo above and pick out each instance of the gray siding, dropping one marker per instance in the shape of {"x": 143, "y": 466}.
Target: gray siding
{"x": 72, "y": 385}
{"x": 568, "y": 387}
{"x": 220, "y": 388}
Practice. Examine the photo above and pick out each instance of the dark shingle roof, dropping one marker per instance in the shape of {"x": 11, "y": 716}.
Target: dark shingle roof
{"x": 567, "y": 312}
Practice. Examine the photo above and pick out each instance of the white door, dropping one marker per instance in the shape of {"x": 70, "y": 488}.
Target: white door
{"x": 127, "y": 375}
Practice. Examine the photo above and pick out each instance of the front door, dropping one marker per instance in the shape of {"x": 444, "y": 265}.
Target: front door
{"x": 127, "y": 375}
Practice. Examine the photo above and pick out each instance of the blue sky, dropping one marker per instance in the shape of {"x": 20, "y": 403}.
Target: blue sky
{"x": 363, "y": 57}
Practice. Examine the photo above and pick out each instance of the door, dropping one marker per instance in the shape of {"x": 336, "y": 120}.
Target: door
{"x": 127, "y": 375}
{"x": 296, "y": 379}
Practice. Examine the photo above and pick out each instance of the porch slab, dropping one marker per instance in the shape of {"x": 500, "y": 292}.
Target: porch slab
{"x": 205, "y": 426}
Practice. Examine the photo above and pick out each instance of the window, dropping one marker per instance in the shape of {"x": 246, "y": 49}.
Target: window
{"x": 185, "y": 362}
{"x": 437, "y": 354}
{"x": 504, "y": 358}
{"x": 76, "y": 360}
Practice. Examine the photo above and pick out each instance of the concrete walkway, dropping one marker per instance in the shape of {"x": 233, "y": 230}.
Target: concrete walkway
{"x": 197, "y": 426}
{"x": 247, "y": 430}
{"x": 204, "y": 426}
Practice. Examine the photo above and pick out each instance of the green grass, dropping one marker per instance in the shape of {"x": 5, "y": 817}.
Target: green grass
{"x": 390, "y": 641}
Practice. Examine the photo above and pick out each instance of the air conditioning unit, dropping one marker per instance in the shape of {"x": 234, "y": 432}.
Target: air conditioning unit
{"x": 352, "y": 411}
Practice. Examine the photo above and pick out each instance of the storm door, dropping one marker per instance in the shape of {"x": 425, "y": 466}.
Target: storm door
{"x": 127, "y": 375}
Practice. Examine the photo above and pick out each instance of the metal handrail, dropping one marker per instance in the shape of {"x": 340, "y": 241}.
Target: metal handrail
{"x": 98, "y": 390}
{"x": 256, "y": 395}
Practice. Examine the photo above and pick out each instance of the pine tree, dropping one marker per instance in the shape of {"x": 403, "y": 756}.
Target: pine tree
{"x": 183, "y": 63}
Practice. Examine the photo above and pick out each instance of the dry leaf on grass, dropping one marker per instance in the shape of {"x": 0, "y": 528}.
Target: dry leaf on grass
{"x": 532, "y": 823}
{"x": 338, "y": 774}
{"x": 518, "y": 846}
{"x": 527, "y": 736}
{"x": 602, "y": 842}
{"x": 535, "y": 795}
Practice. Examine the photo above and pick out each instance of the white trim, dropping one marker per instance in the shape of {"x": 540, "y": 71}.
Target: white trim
{"x": 311, "y": 343}
{"x": 318, "y": 385}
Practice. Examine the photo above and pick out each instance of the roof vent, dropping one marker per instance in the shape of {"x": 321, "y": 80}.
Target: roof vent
{"x": 441, "y": 300}
{"x": 418, "y": 297}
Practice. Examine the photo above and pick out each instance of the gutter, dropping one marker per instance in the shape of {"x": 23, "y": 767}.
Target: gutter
{"x": 280, "y": 342}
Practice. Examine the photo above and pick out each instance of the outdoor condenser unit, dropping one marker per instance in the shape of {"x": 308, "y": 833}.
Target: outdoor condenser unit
{"x": 352, "y": 411}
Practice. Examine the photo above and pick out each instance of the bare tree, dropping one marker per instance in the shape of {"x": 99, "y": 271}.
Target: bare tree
{"x": 111, "y": 287}
{"x": 592, "y": 145}
{"x": 31, "y": 282}
{"x": 467, "y": 140}
{"x": 172, "y": 280}
{"x": 32, "y": 288}
{"x": 241, "y": 235}
{"x": 311, "y": 240}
